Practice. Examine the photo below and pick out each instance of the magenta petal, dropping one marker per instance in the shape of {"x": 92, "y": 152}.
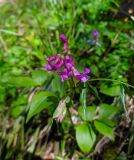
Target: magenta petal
{"x": 48, "y": 67}
{"x": 75, "y": 71}
{"x": 63, "y": 77}
{"x": 69, "y": 62}
{"x": 68, "y": 66}
{"x": 65, "y": 74}
{"x": 86, "y": 71}
{"x": 55, "y": 62}
{"x": 51, "y": 58}
{"x": 59, "y": 64}
{"x": 65, "y": 46}
{"x": 69, "y": 59}
{"x": 69, "y": 74}
{"x": 63, "y": 37}
{"x": 83, "y": 78}
{"x": 65, "y": 41}
{"x": 95, "y": 33}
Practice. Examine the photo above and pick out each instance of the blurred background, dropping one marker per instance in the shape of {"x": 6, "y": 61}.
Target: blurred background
{"x": 29, "y": 32}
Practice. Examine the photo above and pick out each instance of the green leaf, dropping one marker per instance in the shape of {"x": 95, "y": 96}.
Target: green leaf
{"x": 107, "y": 111}
{"x": 94, "y": 91}
{"x": 94, "y": 69}
{"x": 39, "y": 76}
{"x": 113, "y": 90}
{"x": 90, "y": 113}
{"x": 39, "y": 102}
{"x": 18, "y": 105}
{"x": 58, "y": 86}
{"x": 85, "y": 137}
{"x": 105, "y": 127}
{"x": 22, "y": 81}
{"x": 17, "y": 110}
{"x": 22, "y": 99}
{"x": 2, "y": 94}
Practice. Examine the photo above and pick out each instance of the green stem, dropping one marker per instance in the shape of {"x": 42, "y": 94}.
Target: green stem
{"x": 112, "y": 80}
{"x": 83, "y": 98}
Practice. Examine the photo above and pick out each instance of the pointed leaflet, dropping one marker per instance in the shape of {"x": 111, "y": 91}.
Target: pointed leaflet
{"x": 94, "y": 91}
{"x": 39, "y": 76}
{"x": 105, "y": 127}
{"x": 107, "y": 111}
{"x": 22, "y": 81}
{"x": 90, "y": 113}
{"x": 85, "y": 137}
{"x": 38, "y": 103}
{"x": 110, "y": 90}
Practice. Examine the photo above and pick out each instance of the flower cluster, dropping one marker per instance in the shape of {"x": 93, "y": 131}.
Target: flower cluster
{"x": 65, "y": 66}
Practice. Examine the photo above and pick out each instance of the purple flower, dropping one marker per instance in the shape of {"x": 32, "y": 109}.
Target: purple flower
{"x": 82, "y": 77}
{"x": 86, "y": 71}
{"x": 55, "y": 62}
{"x": 95, "y": 33}
{"x": 65, "y": 74}
{"x": 65, "y": 41}
{"x": 94, "y": 39}
{"x": 58, "y": 62}
{"x": 65, "y": 66}
{"x": 69, "y": 62}
{"x": 63, "y": 38}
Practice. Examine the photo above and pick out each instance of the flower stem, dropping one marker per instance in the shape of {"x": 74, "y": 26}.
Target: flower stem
{"x": 112, "y": 80}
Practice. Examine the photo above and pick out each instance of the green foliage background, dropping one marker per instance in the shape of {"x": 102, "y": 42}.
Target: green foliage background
{"x": 29, "y": 96}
